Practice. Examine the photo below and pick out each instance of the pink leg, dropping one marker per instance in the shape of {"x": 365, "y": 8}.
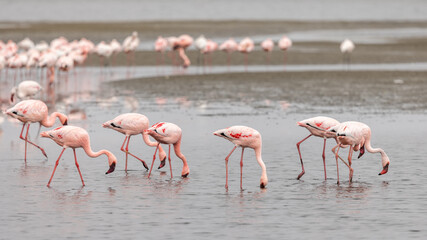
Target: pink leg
{"x": 241, "y": 170}
{"x": 336, "y": 158}
{"x": 127, "y": 152}
{"x": 56, "y": 165}
{"x": 154, "y": 158}
{"x": 123, "y": 150}
{"x": 226, "y": 167}
{"x": 350, "y": 155}
{"x": 302, "y": 164}
{"x": 169, "y": 158}
{"x": 77, "y": 165}
{"x": 323, "y": 156}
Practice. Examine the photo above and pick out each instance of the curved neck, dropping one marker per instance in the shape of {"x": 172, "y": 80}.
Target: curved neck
{"x": 48, "y": 121}
{"x": 384, "y": 157}
{"x": 147, "y": 140}
{"x": 261, "y": 163}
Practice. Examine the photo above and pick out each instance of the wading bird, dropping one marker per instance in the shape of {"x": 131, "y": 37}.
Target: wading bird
{"x": 169, "y": 133}
{"x": 25, "y": 90}
{"x": 357, "y": 136}
{"x": 133, "y": 124}
{"x": 76, "y": 137}
{"x": 31, "y": 111}
{"x": 242, "y": 136}
{"x": 318, "y": 127}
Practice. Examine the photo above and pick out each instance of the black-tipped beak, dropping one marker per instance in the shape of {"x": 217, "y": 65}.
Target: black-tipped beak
{"x": 11, "y": 97}
{"x": 112, "y": 167}
{"x": 66, "y": 122}
{"x": 162, "y": 163}
{"x": 385, "y": 170}
{"x": 262, "y": 185}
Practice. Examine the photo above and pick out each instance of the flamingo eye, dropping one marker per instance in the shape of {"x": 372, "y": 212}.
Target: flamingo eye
{"x": 333, "y": 130}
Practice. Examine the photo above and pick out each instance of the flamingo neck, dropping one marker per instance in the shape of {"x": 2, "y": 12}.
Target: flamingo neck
{"x": 369, "y": 148}
{"x": 147, "y": 140}
{"x": 50, "y": 120}
{"x": 264, "y": 178}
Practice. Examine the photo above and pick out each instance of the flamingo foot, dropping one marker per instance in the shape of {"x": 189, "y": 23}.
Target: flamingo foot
{"x": 300, "y": 175}
{"x": 112, "y": 168}
{"x": 44, "y": 153}
{"x": 351, "y": 175}
{"x": 162, "y": 163}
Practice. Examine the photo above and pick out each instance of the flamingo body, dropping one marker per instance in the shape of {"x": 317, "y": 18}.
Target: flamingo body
{"x": 25, "y": 90}
{"x": 76, "y": 137}
{"x": 357, "y": 135}
{"x": 267, "y": 45}
{"x": 242, "y": 136}
{"x": 170, "y": 134}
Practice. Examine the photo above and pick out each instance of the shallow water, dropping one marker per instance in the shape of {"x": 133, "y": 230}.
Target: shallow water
{"x": 128, "y": 205}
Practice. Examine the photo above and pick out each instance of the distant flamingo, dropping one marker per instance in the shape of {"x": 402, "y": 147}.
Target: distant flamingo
{"x": 76, "y": 137}
{"x": 284, "y": 44}
{"x": 246, "y": 46}
{"x": 347, "y": 47}
{"x": 200, "y": 44}
{"x": 25, "y": 90}
{"x": 318, "y": 127}
{"x": 357, "y": 135}
{"x": 130, "y": 44}
{"x": 168, "y": 133}
{"x": 229, "y": 46}
{"x": 183, "y": 42}
{"x": 242, "y": 136}
{"x": 133, "y": 124}
{"x": 116, "y": 49}
{"x": 210, "y": 47}
{"x": 160, "y": 46}
{"x": 31, "y": 111}
{"x": 267, "y": 45}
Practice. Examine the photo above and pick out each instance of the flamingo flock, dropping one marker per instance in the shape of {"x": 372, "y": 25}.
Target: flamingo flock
{"x": 355, "y": 135}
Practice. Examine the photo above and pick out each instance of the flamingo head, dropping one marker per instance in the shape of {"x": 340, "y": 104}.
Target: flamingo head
{"x": 385, "y": 169}
{"x": 12, "y": 95}
{"x": 112, "y": 161}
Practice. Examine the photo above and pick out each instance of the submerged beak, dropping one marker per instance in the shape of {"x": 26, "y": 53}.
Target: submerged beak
{"x": 385, "y": 169}
{"x": 66, "y": 122}
{"x": 112, "y": 167}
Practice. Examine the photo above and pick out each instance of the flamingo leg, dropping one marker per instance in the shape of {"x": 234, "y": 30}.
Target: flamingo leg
{"x": 241, "y": 170}
{"x": 26, "y": 141}
{"x": 56, "y": 165}
{"x": 154, "y": 158}
{"x": 336, "y": 159}
{"x": 21, "y": 137}
{"x": 123, "y": 150}
{"x": 226, "y": 167}
{"x": 350, "y": 155}
{"x": 169, "y": 159}
{"x": 323, "y": 156}
{"x": 77, "y": 165}
{"x": 127, "y": 152}
{"x": 302, "y": 164}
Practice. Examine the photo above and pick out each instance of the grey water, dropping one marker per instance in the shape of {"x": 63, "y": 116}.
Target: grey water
{"x": 129, "y": 205}
{"x": 146, "y": 10}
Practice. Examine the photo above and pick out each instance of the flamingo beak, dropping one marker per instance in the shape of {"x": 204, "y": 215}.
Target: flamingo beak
{"x": 262, "y": 185}
{"x": 44, "y": 134}
{"x": 66, "y": 122}
{"x": 385, "y": 170}
{"x": 11, "y": 97}
{"x": 112, "y": 167}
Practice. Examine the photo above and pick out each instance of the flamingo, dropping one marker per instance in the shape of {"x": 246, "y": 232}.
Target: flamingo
{"x": 133, "y": 124}
{"x": 25, "y": 90}
{"x": 168, "y": 133}
{"x": 284, "y": 44}
{"x": 246, "y": 46}
{"x": 26, "y": 44}
{"x": 267, "y": 45}
{"x": 116, "y": 49}
{"x": 347, "y": 47}
{"x": 183, "y": 42}
{"x": 160, "y": 46}
{"x": 357, "y": 135}
{"x": 31, "y": 111}
{"x": 104, "y": 51}
{"x": 229, "y": 46}
{"x": 76, "y": 137}
{"x": 200, "y": 44}
{"x": 210, "y": 47}
{"x": 130, "y": 44}
{"x": 318, "y": 127}
{"x": 242, "y": 136}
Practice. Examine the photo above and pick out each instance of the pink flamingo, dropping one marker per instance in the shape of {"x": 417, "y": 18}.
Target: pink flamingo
{"x": 318, "y": 127}
{"x": 76, "y": 137}
{"x": 130, "y": 44}
{"x": 242, "y": 136}
{"x": 267, "y": 45}
{"x": 25, "y": 90}
{"x": 183, "y": 42}
{"x": 346, "y": 47}
{"x": 160, "y": 46}
{"x": 31, "y": 111}
{"x": 229, "y": 46}
{"x": 357, "y": 135}
{"x": 133, "y": 124}
{"x": 168, "y": 133}
{"x": 284, "y": 44}
{"x": 246, "y": 46}
{"x": 210, "y": 47}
